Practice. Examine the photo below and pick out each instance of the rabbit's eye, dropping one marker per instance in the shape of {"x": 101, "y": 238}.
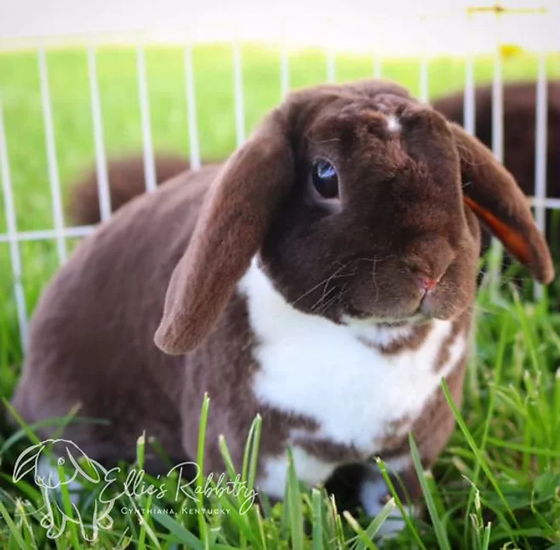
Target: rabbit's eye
{"x": 325, "y": 179}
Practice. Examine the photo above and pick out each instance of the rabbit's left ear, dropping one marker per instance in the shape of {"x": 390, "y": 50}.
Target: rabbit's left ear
{"x": 235, "y": 217}
{"x": 28, "y": 461}
{"x": 494, "y": 196}
{"x": 87, "y": 469}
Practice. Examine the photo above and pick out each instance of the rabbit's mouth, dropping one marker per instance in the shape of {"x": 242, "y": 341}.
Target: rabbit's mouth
{"x": 353, "y": 316}
{"x": 418, "y": 310}
{"x": 427, "y": 304}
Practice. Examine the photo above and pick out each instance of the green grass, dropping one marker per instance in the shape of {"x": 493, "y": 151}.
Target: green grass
{"x": 497, "y": 485}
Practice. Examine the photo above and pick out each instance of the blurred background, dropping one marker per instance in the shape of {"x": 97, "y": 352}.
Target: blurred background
{"x": 82, "y": 82}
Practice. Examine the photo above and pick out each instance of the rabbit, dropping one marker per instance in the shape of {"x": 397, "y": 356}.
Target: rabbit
{"x": 126, "y": 180}
{"x": 519, "y": 111}
{"x": 323, "y": 277}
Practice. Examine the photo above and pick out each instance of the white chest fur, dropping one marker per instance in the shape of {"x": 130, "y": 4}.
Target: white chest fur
{"x": 313, "y": 367}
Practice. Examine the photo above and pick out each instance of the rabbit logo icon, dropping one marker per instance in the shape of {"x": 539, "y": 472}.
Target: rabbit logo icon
{"x": 45, "y": 470}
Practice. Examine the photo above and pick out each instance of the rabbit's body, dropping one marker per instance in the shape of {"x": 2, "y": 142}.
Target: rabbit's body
{"x": 335, "y": 385}
{"x": 126, "y": 177}
{"x": 323, "y": 395}
{"x": 72, "y": 341}
{"x": 332, "y": 306}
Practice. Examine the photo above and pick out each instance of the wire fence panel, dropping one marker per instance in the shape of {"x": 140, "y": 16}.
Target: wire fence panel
{"x": 50, "y": 234}
{"x": 12, "y": 236}
{"x": 284, "y": 71}
{"x": 377, "y": 66}
{"x": 498, "y": 110}
{"x": 191, "y": 110}
{"x": 469, "y": 107}
{"x": 51, "y": 157}
{"x": 550, "y": 204}
{"x": 238, "y": 95}
{"x": 541, "y": 143}
{"x": 100, "y": 157}
{"x": 331, "y": 65}
{"x": 497, "y": 251}
{"x": 424, "y": 65}
{"x": 149, "y": 161}
{"x": 59, "y": 233}
{"x": 541, "y": 150}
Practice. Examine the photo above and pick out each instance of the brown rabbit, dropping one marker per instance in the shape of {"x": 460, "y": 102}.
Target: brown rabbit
{"x": 323, "y": 277}
{"x": 126, "y": 180}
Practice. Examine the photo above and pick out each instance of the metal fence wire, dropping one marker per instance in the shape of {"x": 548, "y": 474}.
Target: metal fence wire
{"x": 60, "y": 232}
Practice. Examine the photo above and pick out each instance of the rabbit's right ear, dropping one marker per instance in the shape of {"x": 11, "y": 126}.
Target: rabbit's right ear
{"x": 493, "y": 195}
{"x": 236, "y": 215}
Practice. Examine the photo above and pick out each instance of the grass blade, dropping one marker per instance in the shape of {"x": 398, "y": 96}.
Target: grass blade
{"x": 12, "y": 528}
{"x": 407, "y": 520}
{"x": 200, "y": 463}
{"x": 317, "y": 509}
{"x": 178, "y": 531}
{"x": 373, "y": 528}
{"x": 293, "y": 502}
{"x": 363, "y": 536}
{"x": 439, "y": 527}
{"x": 477, "y": 453}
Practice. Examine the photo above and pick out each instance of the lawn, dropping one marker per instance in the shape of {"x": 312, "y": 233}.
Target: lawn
{"x": 498, "y": 483}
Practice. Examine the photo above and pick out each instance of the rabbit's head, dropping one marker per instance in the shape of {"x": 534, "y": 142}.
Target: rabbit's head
{"x": 359, "y": 203}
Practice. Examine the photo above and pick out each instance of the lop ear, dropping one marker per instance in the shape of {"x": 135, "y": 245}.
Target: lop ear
{"x": 494, "y": 196}
{"x": 235, "y": 217}
{"x": 88, "y": 470}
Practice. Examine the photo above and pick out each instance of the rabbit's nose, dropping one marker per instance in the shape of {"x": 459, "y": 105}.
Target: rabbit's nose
{"x": 426, "y": 283}
{"x": 428, "y": 274}
{"x": 429, "y": 259}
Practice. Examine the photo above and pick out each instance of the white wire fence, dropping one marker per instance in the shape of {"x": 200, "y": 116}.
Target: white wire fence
{"x": 60, "y": 232}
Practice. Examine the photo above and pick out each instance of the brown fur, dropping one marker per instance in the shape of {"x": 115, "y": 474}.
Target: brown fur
{"x": 126, "y": 180}
{"x": 168, "y": 264}
{"x": 519, "y": 131}
{"x": 412, "y": 342}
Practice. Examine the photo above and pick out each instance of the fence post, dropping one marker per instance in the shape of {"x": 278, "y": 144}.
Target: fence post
{"x": 11, "y": 223}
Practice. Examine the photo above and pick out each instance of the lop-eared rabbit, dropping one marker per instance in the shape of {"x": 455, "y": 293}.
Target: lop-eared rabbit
{"x": 324, "y": 277}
